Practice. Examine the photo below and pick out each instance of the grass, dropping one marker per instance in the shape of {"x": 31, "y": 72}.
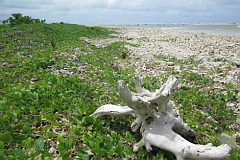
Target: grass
{"x": 45, "y": 116}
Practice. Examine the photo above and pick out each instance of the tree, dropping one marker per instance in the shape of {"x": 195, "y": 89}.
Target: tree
{"x": 18, "y": 19}
{"x": 5, "y": 21}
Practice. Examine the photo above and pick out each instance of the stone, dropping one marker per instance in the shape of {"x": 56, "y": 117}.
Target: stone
{"x": 170, "y": 63}
{"x": 238, "y": 64}
{"x": 114, "y": 66}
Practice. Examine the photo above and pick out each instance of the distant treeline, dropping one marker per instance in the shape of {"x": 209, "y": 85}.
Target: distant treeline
{"x": 18, "y": 18}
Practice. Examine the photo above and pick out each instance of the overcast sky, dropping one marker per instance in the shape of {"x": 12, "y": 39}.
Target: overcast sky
{"x": 125, "y": 11}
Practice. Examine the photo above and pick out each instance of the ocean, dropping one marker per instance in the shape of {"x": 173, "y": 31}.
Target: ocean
{"x": 222, "y": 29}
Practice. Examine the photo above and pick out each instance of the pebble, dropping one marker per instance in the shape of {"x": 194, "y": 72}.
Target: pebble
{"x": 238, "y": 64}
{"x": 114, "y": 66}
{"x": 170, "y": 63}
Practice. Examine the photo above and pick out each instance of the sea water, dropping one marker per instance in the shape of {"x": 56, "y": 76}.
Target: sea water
{"x": 224, "y": 28}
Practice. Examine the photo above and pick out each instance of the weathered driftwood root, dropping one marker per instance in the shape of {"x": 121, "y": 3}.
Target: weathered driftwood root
{"x": 159, "y": 122}
{"x": 114, "y": 110}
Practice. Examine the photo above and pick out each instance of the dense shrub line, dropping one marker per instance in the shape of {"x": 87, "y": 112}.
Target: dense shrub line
{"x": 18, "y": 18}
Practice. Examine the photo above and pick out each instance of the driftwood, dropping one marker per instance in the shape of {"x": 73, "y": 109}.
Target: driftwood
{"x": 159, "y": 122}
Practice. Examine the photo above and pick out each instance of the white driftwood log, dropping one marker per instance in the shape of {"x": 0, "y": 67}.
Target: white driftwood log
{"x": 159, "y": 122}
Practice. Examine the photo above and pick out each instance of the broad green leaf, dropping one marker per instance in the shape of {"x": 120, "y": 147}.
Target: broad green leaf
{"x": 18, "y": 138}
{"x": 128, "y": 136}
{"x": 39, "y": 145}
{"x": 110, "y": 152}
{"x": 108, "y": 144}
{"x": 25, "y": 129}
{"x": 56, "y": 124}
{"x": 94, "y": 146}
{"x": 3, "y": 106}
{"x": 1, "y": 153}
{"x": 53, "y": 79}
{"x": 28, "y": 143}
{"x": 51, "y": 134}
{"x": 6, "y": 137}
{"x": 60, "y": 138}
{"x": 62, "y": 148}
{"x": 19, "y": 153}
{"x": 47, "y": 127}
{"x": 82, "y": 154}
{"x": 128, "y": 150}
{"x": 1, "y": 144}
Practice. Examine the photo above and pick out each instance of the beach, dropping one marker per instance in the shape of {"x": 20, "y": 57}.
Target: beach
{"x": 211, "y": 28}
{"x": 219, "y": 54}
{"x": 160, "y": 52}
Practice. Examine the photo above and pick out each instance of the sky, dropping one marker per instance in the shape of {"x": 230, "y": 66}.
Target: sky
{"x": 125, "y": 11}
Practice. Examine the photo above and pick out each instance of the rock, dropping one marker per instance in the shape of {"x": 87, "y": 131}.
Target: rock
{"x": 114, "y": 66}
{"x": 6, "y": 64}
{"x": 2, "y": 46}
{"x": 238, "y": 121}
{"x": 231, "y": 105}
{"x": 170, "y": 63}
{"x": 238, "y": 64}
{"x": 211, "y": 119}
{"x": 226, "y": 139}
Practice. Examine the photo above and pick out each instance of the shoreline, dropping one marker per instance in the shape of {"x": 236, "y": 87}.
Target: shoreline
{"x": 210, "y": 28}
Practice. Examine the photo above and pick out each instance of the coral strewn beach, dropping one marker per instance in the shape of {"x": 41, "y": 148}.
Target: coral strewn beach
{"x": 219, "y": 54}
{"x": 160, "y": 51}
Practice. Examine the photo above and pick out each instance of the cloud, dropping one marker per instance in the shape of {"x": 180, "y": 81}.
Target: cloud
{"x": 124, "y": 11}
{"x": 25, "y": 4}
{"x": 173, "y": 12}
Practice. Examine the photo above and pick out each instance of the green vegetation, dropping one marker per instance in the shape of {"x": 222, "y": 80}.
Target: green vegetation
{"x": 18, "y": 19}
{"x": 44, "y": 116}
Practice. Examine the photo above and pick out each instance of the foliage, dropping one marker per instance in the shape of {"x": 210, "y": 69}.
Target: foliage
{"x": 45, "y": 116}
{"x": 18, "y": 19}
